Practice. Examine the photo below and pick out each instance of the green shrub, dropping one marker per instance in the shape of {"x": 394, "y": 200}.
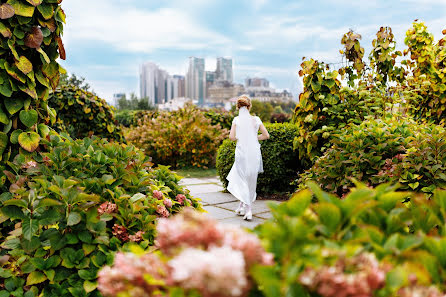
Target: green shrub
{"x": 179, "y": 138}
{"x": 84, "y": 114}
{"x": 369, "y": 244}
{"x": 220, "y": 117}
{"x": 128, "y": 118}
{"x": 423, "y": 167}
{"x": 70, "y": 208}
{"x": 280, "y": 162}
{"x": 360, "y": 152}
{"x": 387, "y": 150}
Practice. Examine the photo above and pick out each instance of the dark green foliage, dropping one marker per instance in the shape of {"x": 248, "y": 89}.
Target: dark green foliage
{"x": 128, "y": 118}
{"x": 85, "y": 114}
{"x": 280, "y": 162}
{"x": 53, "y": 231}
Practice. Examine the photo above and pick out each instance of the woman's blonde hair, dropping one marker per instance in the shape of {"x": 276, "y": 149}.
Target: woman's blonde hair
{"x": 243, "y": 100}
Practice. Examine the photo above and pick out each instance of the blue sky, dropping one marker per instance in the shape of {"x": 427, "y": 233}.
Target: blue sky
{"x": 107, "y": 40}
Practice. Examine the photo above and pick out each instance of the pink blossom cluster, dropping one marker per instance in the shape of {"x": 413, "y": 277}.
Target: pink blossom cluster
{"x": 162, "y": 210}
{"x": 180, "y": 198}
{"x": 137, "y": 237}
{"x": 30, "y": 164}
{"x": 198, "y": 254}
{"x": 127, "y": 274}
{"x": 168, "y": 203}
{"x": 364, "y": 278}
{"x": 212, "y": 272}
{"x": 107, "y": 207}
{"x": 157, "y": 194}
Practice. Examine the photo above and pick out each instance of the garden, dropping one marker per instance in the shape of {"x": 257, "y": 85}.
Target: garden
{"x": 91, "y": 202}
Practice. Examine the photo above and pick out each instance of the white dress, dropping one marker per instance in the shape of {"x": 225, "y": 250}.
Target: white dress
{"x": 248, "y": 158}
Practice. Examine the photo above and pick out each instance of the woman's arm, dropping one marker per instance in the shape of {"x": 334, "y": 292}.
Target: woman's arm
{"x": 265, "y": 134}
{"x": 232, "y": 133}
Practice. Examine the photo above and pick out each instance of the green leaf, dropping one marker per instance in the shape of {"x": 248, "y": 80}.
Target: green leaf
{"x": 29, "y": 141}
{"x": 15, "y": 136}
{"x": 21, "y": 8}
{"x": 30, "y": 227}
{"x": 17, "y": 202}
{"x": 12, "y": 212}
{"x": 88, "y": 274}
{"x": 24, "y": 65}
{"x": 90, "y": 286}
{"x": 34, "y": 2}
{"x": 329, "y": 215}
{"x": 43, "y": 130}
{"x": 5, "y": 87}
{"x": 50, "y": 274}
{"x": 29, "y": 118}
{"x": 44, "y": 55}
{"x": 5, "y": 31}
{"x": 46, "y": 10}
{"x": 73, "y": 218}
{"x": 35, "y": 277}
{"x": 13, "y": 105}
{"x": 4, "y": 119}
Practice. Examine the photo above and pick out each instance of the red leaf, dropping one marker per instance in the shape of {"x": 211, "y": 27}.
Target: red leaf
{"x": 35, "y": 38}
{"x": 6, "y": 11}
{"x": 61, "y": 48}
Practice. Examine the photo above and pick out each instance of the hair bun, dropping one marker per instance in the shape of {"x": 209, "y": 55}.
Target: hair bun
{"x": 243, "y": 101}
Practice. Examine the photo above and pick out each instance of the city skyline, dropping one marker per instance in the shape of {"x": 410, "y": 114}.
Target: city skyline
{"x": 265, "y": 38}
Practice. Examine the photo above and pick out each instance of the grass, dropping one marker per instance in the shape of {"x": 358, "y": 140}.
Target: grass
{"x": 194, "y": 172}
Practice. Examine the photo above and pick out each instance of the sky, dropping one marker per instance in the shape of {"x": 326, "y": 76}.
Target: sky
{"x": 107, "y": 40}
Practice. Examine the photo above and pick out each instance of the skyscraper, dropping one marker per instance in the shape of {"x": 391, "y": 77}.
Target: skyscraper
{"x": 155, "y": 84}
{"x": 180, "y": 83}
{"x": 196, "y": 80}
{"x": 224, "y": 69}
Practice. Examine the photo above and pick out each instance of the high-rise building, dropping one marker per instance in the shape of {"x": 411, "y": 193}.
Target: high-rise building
{"x": 256, "y": 82}
{"x": 181, "y": 86}
{"x": 210, "y": 80}
{"x": 147, "y": 81}
{"x": 196, "y": 80}
{"x": 155, "y": 84}
{"x": 224, "y": 70}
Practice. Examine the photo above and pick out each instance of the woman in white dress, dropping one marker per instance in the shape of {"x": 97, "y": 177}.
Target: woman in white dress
{"x": 248, "y": 158}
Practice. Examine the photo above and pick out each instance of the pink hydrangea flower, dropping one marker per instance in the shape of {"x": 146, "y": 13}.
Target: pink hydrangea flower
{"x": 121, "y": 233}
{"x": 137, "y": 237}
{"x": 157, "y": 194}
{"x": 107, "y": 207}
{"x": 180, "y": 198}
{"x": 162, "y": 210}
{"x": 168, "y": 203}
{"x": 30, "y": 164}
{"x": 127, "y": 274}
{"x": 220, "y": 269}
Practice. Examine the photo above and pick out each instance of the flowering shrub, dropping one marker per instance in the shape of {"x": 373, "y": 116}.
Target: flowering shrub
{"x": 383, "y": 150}
{"x": 178, "y": 138}
{"x": 84, "y": 114}
{"x": 374, "y": 242}
{"x": 280, "y": 162}
{"x": 196, "y": 254}
{"x": 68, "y": 209}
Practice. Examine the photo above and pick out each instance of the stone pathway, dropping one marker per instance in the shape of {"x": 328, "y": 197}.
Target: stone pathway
{"x": 221, "y": 205}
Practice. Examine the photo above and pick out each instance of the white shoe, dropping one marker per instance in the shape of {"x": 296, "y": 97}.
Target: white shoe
{"x": 248, "y": 216}
{"x": 240, "y": 210}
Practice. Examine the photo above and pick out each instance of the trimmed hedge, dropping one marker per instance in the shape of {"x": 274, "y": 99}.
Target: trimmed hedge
{"x": 280, "y": 162}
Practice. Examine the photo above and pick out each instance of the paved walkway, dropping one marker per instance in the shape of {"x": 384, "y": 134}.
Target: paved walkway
{"x": 221, "y": 205}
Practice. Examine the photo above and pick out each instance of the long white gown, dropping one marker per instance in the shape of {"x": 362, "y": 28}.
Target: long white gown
{"x": 248, "y": 158}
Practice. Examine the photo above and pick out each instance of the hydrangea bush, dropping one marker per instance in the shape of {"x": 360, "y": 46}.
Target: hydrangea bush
{"x": 196, "y": 257}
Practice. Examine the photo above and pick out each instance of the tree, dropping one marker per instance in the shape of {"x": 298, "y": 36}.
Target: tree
{"x": 73, "y": 80}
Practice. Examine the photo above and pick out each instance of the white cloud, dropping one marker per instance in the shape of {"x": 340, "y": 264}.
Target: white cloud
{"x": 133, "y": 30}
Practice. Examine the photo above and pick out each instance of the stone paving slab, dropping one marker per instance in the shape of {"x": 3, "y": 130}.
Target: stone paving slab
{"x": 259, "y": 206}
{"x": 265, "y": 215}
{"x": 218, "y": 213}
{"x": 192, "y": 181}
{"x": 204, "y": 188}
{"x": 239, "y": 221}
{"x": 213, "y": 180}
{"x": 216, "y": 198}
